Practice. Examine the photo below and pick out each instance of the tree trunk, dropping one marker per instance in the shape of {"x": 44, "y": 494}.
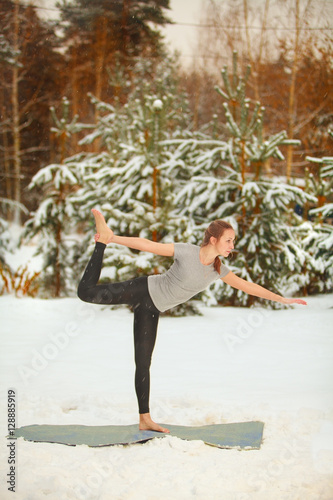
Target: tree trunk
{"x": 261, "y": 46}
{"x": 243, "y": 164}
{"x": 16, "y": 121}
{"x": 76, "y": 94}
{"x": 248, "y": 40}
{"x": 291, "y": 108}
{"x": 155, "y": 197}
{"x": 6, "y": 160}
{"x": 57, "y": 265}
{"x": 100, "y": 59}
{"x": 101, "y": 38}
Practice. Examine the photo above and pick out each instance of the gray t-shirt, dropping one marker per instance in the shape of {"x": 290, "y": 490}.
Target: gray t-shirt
{"x": 186, "y": 277}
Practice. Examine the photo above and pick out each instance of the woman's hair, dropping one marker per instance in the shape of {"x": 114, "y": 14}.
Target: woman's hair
{"x": 215, "y": 229}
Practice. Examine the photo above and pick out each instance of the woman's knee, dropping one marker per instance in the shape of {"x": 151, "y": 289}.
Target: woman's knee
{"x": 82, "y": 293}
{"x": 142, "y": 368}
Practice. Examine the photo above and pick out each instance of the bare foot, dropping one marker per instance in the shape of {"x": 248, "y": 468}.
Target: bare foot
{"x": 104, "y": 233}
{"x": 146, "y": 424}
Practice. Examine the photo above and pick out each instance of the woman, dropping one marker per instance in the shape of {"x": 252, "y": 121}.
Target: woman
{"x": 194, "y": 268}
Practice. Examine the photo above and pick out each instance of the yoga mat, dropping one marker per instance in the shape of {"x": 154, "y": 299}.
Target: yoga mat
{"x": 242, "y": 435}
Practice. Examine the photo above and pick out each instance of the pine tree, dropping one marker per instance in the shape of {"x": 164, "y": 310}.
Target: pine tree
{"x": 100, "y": 33}
{"x": 228, "y": 181}
{"x": 54, "y": 220}
{"x": 318, "y": 236}
{"x": 127, "y": 179}
{"x": 7, "y": 53}
{"x": 7, "y": 246}
{"x": 4, "y": 239}
{"x": 28, "y": 64}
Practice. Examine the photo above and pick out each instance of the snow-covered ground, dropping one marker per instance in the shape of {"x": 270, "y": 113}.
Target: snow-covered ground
{"x": 72, "y": 363}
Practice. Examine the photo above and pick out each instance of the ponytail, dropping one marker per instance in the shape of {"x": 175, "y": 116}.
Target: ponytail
{"x": 217, "y": 264}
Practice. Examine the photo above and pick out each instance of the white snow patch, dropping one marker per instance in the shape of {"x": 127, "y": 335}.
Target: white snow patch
{"x": 72, "y": 363}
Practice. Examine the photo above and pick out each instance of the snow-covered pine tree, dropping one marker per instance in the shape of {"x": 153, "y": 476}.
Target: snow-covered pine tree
{"x": 7, "y": 53}
{"x": 228, "y": 182}
{"x": 9, "y": 56}
{"x": 126, "y": 179}
{"x": 5, "y": 245}
{"x": 318, "y": 236}
{"x": 54, "y": 220}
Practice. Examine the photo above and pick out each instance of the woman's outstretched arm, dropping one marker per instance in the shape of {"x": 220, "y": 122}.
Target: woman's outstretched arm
{"x": 145, "y": 245}
{"x": 257, "y": 290}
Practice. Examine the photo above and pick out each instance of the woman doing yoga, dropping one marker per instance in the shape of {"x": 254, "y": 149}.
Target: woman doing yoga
{"x": 194, "y": 269}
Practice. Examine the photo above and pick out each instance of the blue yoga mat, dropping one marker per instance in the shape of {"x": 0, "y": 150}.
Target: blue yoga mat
{"x": 242, "y": 435}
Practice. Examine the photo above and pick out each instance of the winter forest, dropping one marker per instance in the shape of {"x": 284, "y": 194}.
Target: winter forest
{"x": 96, "y": 111}
{"x": 100, "y": 108}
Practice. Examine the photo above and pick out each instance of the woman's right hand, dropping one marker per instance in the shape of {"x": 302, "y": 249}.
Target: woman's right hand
{"x": 294, "y": 301}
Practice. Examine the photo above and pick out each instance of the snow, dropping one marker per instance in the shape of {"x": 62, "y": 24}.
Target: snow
{"x": 157, "y": 105}
{"x": 72, "y": 363}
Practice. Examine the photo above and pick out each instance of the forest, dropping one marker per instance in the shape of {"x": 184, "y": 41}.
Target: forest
{"x": 96, "y": 111}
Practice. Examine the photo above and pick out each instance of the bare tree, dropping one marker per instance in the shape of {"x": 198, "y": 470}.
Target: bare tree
{"x": 28, "y": 65}
{"x": 255, "y": 62}
{"x": 16, "y": 120}
{"x": 280, "y": 39}
{"x": 220, "y": 34}
{"x": 300, "y": 21}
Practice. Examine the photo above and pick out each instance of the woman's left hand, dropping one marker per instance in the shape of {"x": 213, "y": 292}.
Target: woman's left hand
{"x": 294, "y": 301}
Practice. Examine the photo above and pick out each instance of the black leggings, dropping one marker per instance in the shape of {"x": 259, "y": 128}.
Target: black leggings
{"x": 134, "y": 293}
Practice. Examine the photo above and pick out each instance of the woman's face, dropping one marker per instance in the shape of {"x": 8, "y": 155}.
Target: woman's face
{"x": 225, "y": 244}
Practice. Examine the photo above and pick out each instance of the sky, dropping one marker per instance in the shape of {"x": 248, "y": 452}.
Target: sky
{"x": 183, "y": 38}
